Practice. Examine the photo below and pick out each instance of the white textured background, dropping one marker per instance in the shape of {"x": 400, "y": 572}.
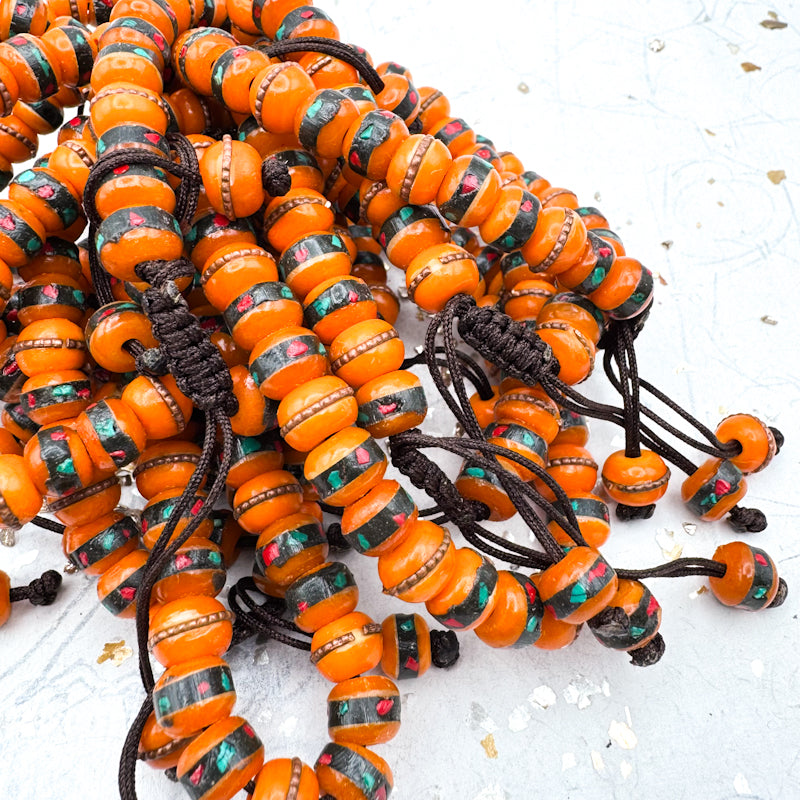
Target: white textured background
{"x": 674, "y": 143}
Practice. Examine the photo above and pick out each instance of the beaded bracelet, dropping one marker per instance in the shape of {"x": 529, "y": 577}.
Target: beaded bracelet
{"x": 381, "y": 158}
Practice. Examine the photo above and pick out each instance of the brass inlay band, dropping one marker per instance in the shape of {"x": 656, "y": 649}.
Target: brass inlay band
{"x": 531, "y": 291}
{"x": 225, "y": 176}
{"x": 572, "y": 461}
{"x": 110, "y": 91}
{"x": 164, "y": 750}
{"x": 7, "y": 516}
{"x": 329, "y": 647}
{"x": 413, "y": 166}
{"x": 362, "y": 348}
{"x": 82, "y": 494}
{"x": 289, "y": 205}
{"x": 526, "y": 398}
{"x": 368, "y": 196}
{"x": 5, "y": 292}
{"x": 294, "y": 781}
{"x": 639, "y": 487}
{"x": 34, "y": 344}
{"x": 263, "y": 87}
{"x": 8, "y": 103}
{"x": 450, "y": 257}
{"x": 228, "y": 257}
{"x": 82, "y": 153}
{"x": 268, "y": 494}
{"x": 8, "y": 130}
{"x": 315, "y": 408}
{"x": 170, "y": 403}
{"x": 423, "y": 571}
{"x": 429, "y": 101}
{"x": 319, "y": 64}
{"x": 417, "y": 280}
{"x": 561, "y": 241}
{"x": 189, "y": 625}
{"x": 163, "y": 461}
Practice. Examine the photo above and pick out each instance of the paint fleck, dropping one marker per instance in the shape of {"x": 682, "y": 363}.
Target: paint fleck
{"x": 695, "y": 594}
{"x": 711, "y": 181}
{"x": 523, "y": 87}
{"x": 479, "y": 718}
{"x": 69, "y": 568}
{"x": 671, "y": 549}
{"x": 625, "y": 769}
{"x": 757, "y": 665}
{"x": 597, "y": 761}
{"x": 518, "y": 719}
{"x": 661, "y": 279}
{"x": 542, "y": 697}
{"x": 579, "y": 692}
{"x": 657, "y": 45}
{"x": 489, "y": 746}
{"x": 667, "y": 243}
{"x": 776, "y": 175}
{"x": 749, "y": 66}
{"x": 621, "y": 734}
{"x": 740, "y": 784}
{"x": 597, "y": 196}
{"x": 8, "y": 537}
{"x": 568, "y": 761}
{"x": 116, "y": 652}
{"x": 772, "y": 23}
{"x": 690, "y": 528}
{"x": 710, "y": 133}
{"x": 768, "y": 320}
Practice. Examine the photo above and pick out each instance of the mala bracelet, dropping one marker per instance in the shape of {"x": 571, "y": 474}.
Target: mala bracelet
{"x": 315, "y": 137}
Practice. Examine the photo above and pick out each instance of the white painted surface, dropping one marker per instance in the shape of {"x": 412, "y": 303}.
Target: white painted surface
{"x": 676, "y": 146}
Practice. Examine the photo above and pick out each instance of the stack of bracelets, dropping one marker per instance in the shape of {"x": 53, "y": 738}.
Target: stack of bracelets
{"x": 237, "y": 348}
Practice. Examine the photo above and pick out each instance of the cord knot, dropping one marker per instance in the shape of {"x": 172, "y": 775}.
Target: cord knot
{"x": 780, "y": 595}
{"x": 627, "y": 513}
{"x": 40, "y": 591}
{"x": 747, "y": 520}
{"x": 335, "y": 537}
{"x": 275, "y": 177}
{"x": 648, "y": 654}
{"x": 444, "y": 648}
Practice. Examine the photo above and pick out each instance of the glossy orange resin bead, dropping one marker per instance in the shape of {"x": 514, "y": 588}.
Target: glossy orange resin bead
{"x": 438, "y": 273}
{"x": 110, "y": 327}
{"x": 469, "y": 596}
{"x": 371, "y": 142}
{"x": 516, "y": 620}
{"x": 574, "y": 352}
{"x": 353, "y": 772}
{"x": 636, "y": 481}
{"x": 312, "y": 259}
{"x": 364, "y": 711}
{"x": 526, "y": 298}
{"x": 484, "y": 486}
{"x": 408, "y": 231}
{"x": 165, "y": 465}
{"x": 713, "y": 489}
{"x": 322, "y": 121}
{"x": 378, "y": 521}
{"x": 531, "y": 407}
{"x": 232, "y": 270}
{"x": 5, "y": 598}
{"x": 57, "y": 461}
{"x": 520, "y": 440}
{"x": 321, "y": 595}
{"x": 391, "y": 403}
{"x": 593, "y": 520}
{"x": 231, "y": 173}
{"x": 572, "y": 467}
{"x": 347, "y": 647}
{"x": 420, "y": 565}
{"x": 574, "y": 429}
{"x": 345, "y": 467}
{"x": 20, "y": 500}
{"x": 162, "y": 408}
{"x": 134, "y": 104}
{"x": 756, "y": 440}
{"x": 276, "y": 94}
{"x": 50, "y": 344}
{"x": 418, "y": 169}
{"x": 88, "y": 504}
{"x": 281, "y": 777}
{"x": 112, "y": 433}
{"x": 101, "y": 543}
{"x": 365, "y": 351}
{"x": 255, "y": 413}
{"x": 192, "y": 695}
{"x": 316, "y": 410}
{"x": 159, "y": 508}
{"x": 156, "y": 748}
{"x": 406, "y": 646}
{"x": 192, "y": 627}
{"x": 266, "y": 499}
{"x": 579, "y": 586}
{"x": 222, "y": 760}
{"x": 751, "y": 578}
{"x": 285, "y": 359}
{"x": 253, "y": 455}
{"x": 52, "y": 396}
{"x": 336, "y": 304}
{"x": 119, "y": 585}
{"x": 196, "y": 569}
{"x": 484, "y": 409}
{"x": 557, "y": 243}
{"x": 298, "y": 212}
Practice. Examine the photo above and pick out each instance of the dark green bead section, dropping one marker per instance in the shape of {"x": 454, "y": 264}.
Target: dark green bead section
{"x": 119, "y": 446}
{"x": 287, "y": 545}
{"x": 588, "y": 585}
{"x": 384, "y": 524}
{"x": 352, "y": 466}
{"x": 341, "y": 294}
{"x": 533, "y": 622}
{"x": 408, "y": 401}
{"x": 353, "y": 766}
{"x": 363, "y": 711}
{"x": 190, "y": 690}
{"x": 474, "y": 604}
{"x": 104, "y": 543}
{"x": 723, "y": 482}
{"x": 315, "y": 587}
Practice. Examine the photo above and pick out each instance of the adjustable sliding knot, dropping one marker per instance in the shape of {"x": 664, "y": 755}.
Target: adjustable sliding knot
{"x": 40, "y": 591}
{"x": 275, "y": 177}
{"x": 648, "y": 654}
{"x": 747, "y": 520}
{"x": 425, "y": 474}
{"x": 195, "y": 363}
{"x": 157, "y": 273}
{"x": 627, "y": 513}
{"x": 512, "y": 347}
{"x": 444, "y": 648}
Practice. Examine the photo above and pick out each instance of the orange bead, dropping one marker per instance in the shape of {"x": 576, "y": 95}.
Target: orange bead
{"x": 252, "y": 456}
{"x": 520, "y": 440}
{"x": 593, "y": 520}
{"x": 127, "y": 186}
{"x": 72, "y": 161}
{"x": 134, "y": 104}
{"x": 192, "y": 695}
{"x": 16, "y": 421}
{"x": 159, "y": 404}
{"x": 97, "y": 545}
{"x": 255, "y": 411}
{"x": 5, "y": 598}
{"x": 469, "y": 191}
{"x": 525, "y": 300}
{"x": 372, "y": 141}
{"x": 195, "y": 52}
{"x": 316, "y": 410}
{"x": 119, "y": 585}
{"x": 635, "y": 481}
{"x": 531, "y": 407}
{"x": 232, "y": 77}
{"x": 231, "y": 173}
{"x": 579, "y": 586}
{"x": 112, "y": 434}
{"x": 192, "y": 627}
{"x": 277, "y": 93}
{"x": 156, "y": 748}
{"x": 52, "y": 396}
{"x": 572, "y": 467}
{"x": 433, "y": 108}
{"x": 8, "y": 444}
{"x": 35, "y": 66}
{"x": 88, "y": 504}
{"x": 512, "y": 220}
{"x": 713, "y": 489}
{"x": 197, "y": 568}
{"x": 557, "y": 197}
{"x": 160, "y": 507}
{"x": 756, "y": 439}
{"x": 266, "y": 499}
{"x": 365, "y": 351}
{"x": 575, "y": 310}
{"x": 455, "y": 133}
{"x": 165, "y": 465}
{"x": 387, "y": 301}
{"x": 420, "y": 565}
{"x": 345, "y": 467}
{"x": 57, "y": 461}
{"x": 295, "y": 214}
{"x": 22, "y": 235}
{"x": 50, "y": 344}
{"x": 321, "y": 595}
{"x": 391, "y": 403}
{"x": 110, "y": 327}
{"x": 18, "y": 141}
{"x": 347, "y": 647}
{"x": 633, "y": 620}
{"x": 751, "y": 578}
{"x": 285, "y": 359}
{"x": 574, "y": 429}
{"x": 232, "y": 270}
{"x": 337, "y": 303}
{"x": 516, "y": 620}
{"x": 406, "y": 646}
{"x": 364, "y": 710}
{"x": 20, "y": 500}
{"x": 273, "y": 12}
{"x": 484, "y": 486}
{"x": 281, "y": 777}
{"x": 342, "y": 770}
{"x": 557, "y": 242}
{"x": 118, "y": 63}
{"x": 573, "y": 351}
{"x": 626, "y": 290}
{"x": 223, "y": 759}
{"x": 312, "y": 259}
{"x": 484, "y": 409}
{"x": 439, "y": 273}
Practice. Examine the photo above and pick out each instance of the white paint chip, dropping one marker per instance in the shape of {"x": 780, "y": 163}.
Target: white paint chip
{"x": 621, "y": 734}
{"x": 690, "y": 528}
{"x": 671, "y": 549}
{"x": 568, "y": 761}
{"x": 542, "y": 697}
{"x": 740, "y": 784}
{"x": 757, "y": 665}
{"x": 606, "y": 687}
{"x": 625, "y": 769}
{"x": 479, "y": 718}
{"x": 579, "y": 692}
{"x": 518, "y": 719}
{"x": 597, "y": 762}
